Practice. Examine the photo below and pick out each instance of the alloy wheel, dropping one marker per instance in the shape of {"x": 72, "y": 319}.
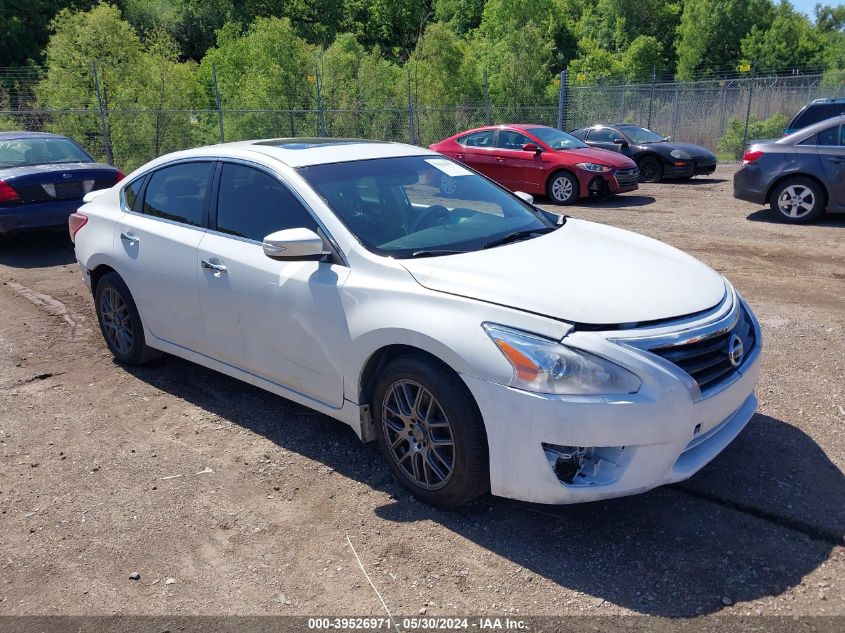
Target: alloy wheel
{"x": 796, "y": 201}
{"x": 117, "y": 321}
{"x": 562, "y": 189}
{"x": 418, "y": 434}
{"x": 649, "y": 170}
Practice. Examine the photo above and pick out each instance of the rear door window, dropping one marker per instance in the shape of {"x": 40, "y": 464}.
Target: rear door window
{"x": 477, "y": 139}
{"x": 603, "y": 135}
{"x": 252, "y": 204}
{"x": 828, "y": 137}
{"x": 179, "y": 193}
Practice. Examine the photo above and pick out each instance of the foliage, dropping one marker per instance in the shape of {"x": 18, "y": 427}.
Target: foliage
{"x": 789, "y": 41}
{"x": 758, "y": 129}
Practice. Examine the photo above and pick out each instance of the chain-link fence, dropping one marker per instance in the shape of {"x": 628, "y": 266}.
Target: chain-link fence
{"x": 697, "y": 111}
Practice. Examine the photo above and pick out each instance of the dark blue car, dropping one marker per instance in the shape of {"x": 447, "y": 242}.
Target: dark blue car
{"x": 43, "y": 178}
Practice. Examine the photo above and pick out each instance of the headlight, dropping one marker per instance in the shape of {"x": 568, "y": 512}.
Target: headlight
{"x": 545, "y": 366}
{"x": 676, "y": 153}
{"x": 602, "y": 169}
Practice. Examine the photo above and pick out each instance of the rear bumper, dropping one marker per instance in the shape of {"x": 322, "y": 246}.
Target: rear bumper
{"x": 749, "y": 184}
{"x": 37, "y": 215}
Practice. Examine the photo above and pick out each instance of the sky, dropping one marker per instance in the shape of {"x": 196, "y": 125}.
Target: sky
{"x": 807, "y": 6}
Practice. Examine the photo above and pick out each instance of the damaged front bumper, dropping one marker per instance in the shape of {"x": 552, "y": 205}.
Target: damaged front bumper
{"x": 566, "y": 449}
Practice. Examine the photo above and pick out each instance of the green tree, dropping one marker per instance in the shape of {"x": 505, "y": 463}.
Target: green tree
{"x": 710, "y": 33}
{"x": 461, "y": 15}
{"x": 26, "y": 27}
{"x": 265, "y": 68}
{"x": 790, "y": 42}
{"x": 79, "y": 40}
{"x": 393, "y": 25}
{"x": 643, "y": 57}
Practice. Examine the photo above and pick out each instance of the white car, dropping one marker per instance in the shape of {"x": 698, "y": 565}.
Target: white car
{"x": 484, "y": 343}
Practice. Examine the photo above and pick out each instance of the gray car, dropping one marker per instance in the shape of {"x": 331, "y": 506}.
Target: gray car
{"x": 799, "y": 176}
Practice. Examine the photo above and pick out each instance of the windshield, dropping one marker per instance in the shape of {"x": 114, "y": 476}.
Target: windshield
{"x": 641, "y": 135}
{"x": 21, "y": 152}
{"x": 422, "y": 206}
{"x": 556, "y": 139}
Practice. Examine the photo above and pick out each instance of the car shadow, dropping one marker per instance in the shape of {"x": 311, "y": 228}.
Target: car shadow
{"x": 835, "y": 220}
{"x": 676, "y": 551}
{"x": 612, "y": 202}
{"x": 36, "y": 249}
{"x": 696, "y": 180}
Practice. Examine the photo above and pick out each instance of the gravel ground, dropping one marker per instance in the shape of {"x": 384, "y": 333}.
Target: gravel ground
{"x": 228, "y": 500}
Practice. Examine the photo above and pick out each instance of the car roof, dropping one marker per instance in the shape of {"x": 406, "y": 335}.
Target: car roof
{"x": 6, "y": 136}
{"x": 827, "y": 100}
{"x": 801, "y": 134}
{"x": 302, "y": 152}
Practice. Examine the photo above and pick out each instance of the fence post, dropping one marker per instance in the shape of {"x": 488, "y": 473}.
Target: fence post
{"x": 218, "y": 102}
{"x": 104, "y": 126}
{"x": 412, "y": 133}
{"x": 748, "y": 110}
{"x": 723, "y": 117}
{"x": 488, "y": 116}
{"x": 651, "y": 97}
{"x": 561, "y": 101}
{"x": 321, "y": 115}
{"x": 622, "y": 108}
{"x": 675, "y": 107}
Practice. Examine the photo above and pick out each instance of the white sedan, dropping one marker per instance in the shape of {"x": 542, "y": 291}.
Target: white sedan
{"x": 485, "y": 344}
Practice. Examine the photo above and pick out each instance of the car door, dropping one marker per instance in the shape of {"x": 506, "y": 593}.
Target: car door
{"x": 604, "y": 138}
{"x": 280, "y": 320}
{"x": 515, "y": 168}
{"x": 479, "y": 151}
{"x": 831, "y": 149}
{"x": 155, "y": 246}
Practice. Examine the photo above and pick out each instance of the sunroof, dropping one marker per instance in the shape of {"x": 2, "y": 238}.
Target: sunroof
{"x": 307, "y": 143}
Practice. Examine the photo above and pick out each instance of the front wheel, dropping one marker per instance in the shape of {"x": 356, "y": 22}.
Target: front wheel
{"x": 120, "y": 322}
{"x": 797, "y": 201}
{"x": 563, "y": 188}
{"x": 650, "y": 169}
{"x": 430, "y": 432}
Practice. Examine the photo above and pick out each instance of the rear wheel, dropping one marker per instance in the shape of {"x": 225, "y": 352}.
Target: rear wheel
{"x": 430, "y": 431}
{"x": 563, "y": 188}
{"x": 650, "y": 169}
{"x": 120, "y": 322}
{"x": 797, "y": 200}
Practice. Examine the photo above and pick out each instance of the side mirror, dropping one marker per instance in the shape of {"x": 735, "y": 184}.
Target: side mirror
{"x": 527, "y": 197}
{"x": 667, "y": 138}
{"x": 532, "y": 147}
{"x": 621, "y": 142}
{"x": 293, "y": 244}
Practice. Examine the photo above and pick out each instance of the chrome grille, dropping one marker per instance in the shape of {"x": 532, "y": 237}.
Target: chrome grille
{"x": 627, "y": 177}
{"x": 708, "y": 360}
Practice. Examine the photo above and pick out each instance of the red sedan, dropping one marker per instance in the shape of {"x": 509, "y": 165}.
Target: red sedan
{"x": 539, "y": 160}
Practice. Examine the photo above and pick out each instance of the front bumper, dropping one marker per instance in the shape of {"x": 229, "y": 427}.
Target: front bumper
{"x": 596, "y": 185}
{"x": 37, "y": 215}
{"x": 664, "y": 433}
{"x": 699, "y": 166}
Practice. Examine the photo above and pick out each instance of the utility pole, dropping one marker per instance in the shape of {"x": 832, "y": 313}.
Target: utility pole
{"x": 561, "y": 101}
{"x": 748, "y": 109}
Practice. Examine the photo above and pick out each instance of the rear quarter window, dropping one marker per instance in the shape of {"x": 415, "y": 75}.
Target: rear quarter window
{"x": 815, "y": 113}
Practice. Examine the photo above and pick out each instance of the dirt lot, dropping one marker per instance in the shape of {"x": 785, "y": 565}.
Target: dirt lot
{"x": 228, "y": 500}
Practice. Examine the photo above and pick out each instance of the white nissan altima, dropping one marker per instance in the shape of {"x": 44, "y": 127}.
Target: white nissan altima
{"x": 484, "y": 343}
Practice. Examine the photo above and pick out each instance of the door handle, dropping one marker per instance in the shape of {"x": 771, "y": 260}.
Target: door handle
{"x": 500, "y": 160}
{"x": 835, "y": 159}
{"x": 212, "y": 266}
{"x": 459, "y": 156}
{"x": 128, "y": 237}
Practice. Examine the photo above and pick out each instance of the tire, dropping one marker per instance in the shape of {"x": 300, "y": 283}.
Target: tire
{"x": 650, "y": 169}
{"x": 797, "y": 200}
{"x": 125, "y": 339}
{"x": 563, "y": 188}
{"x": 451, "y": 474}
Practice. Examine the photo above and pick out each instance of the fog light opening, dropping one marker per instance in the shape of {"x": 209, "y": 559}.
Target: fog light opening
{"x": 598, "y": 188}
{"x": 584, "y": 466}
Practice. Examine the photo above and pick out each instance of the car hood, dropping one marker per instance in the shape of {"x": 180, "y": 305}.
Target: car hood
{"x": 694, "y": 151}
{"x": 582, "y": 273}
{"x": 594, "y": 154}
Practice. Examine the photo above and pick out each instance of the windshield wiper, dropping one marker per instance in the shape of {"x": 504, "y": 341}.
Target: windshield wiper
{"x": 435, "y": 252}
{"x": 519, "y": 235}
